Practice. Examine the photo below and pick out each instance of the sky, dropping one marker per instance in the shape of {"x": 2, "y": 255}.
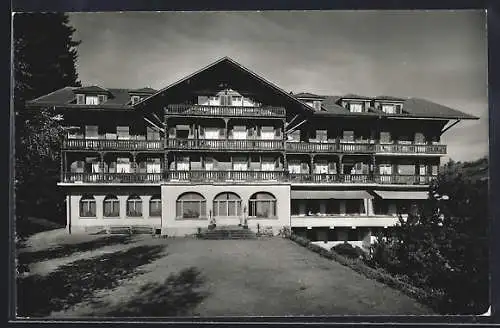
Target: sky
{"x": 437, "y": 55}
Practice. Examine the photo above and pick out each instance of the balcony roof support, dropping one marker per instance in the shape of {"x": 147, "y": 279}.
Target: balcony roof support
{"x": 450, "y": 126}
{"x": 293, "y": 119}
{"x": 156, "y": 126}
{"x": 295, "y": 127}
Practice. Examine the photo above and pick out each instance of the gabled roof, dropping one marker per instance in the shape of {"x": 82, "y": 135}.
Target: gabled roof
{"x": 237, "y": 66}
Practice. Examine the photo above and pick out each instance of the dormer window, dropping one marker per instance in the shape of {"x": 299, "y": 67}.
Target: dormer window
{"x": 391, "y": 108}
{"x": 82, "y": 99}
{"x": 91, "y": 100}
{"x": 135, "y": 99}
{"x": 355, "y": 107}
{"x": 317, "y": 105}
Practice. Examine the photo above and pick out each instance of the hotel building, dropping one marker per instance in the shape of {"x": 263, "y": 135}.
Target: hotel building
{"x": 226, "y": 145}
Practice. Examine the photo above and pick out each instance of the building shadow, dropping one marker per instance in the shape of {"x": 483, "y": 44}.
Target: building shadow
{"x": 38, "y": 296}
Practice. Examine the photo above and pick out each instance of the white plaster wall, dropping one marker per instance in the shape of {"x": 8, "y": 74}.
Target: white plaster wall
{"x": 83, "y": 224}
{"x": 178, "y": 227}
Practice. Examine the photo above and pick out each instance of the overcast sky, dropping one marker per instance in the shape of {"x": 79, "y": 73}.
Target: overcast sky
{"x": 437, "y": 55}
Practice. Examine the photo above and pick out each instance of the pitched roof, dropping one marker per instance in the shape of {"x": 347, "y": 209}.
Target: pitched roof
{"x": 413, "y": 107}
{"x": 308, "y": 95}
{"x": 354, "y": 96}
{"x": 146, "y": 90}
{"x": 391, "y": 98}
{"x": 229, "y": 61}
{"x": 91, "y": 89}
{"x": 65, "y": 97}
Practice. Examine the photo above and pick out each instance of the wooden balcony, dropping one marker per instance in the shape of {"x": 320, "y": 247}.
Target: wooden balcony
{"x": 112, "y": 145}
{"x": 225, "y": 176}
{"x": 411, "y": 149}
{"x": 236, "y": 111}
{"x": 330, "y": 178}
{"x": 356, "y": 147}
{"x": 311, "y": 147}
{"x": 404, "y": 179}
{"x": 225, "y": 144}
{"x": 71, "y": 177}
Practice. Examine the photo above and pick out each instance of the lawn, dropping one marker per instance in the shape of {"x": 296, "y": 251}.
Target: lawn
{"x": 144, "y": 276}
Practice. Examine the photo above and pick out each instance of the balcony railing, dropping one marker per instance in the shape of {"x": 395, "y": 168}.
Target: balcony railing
{"x": 311, "y": 147}
{"x": 109, "y": 144}
{"x": 404, "y": 179}
{"x": 223, "y": 144}
{"x": 112, "y": 177}
{"x": 356, "y": 147}
{"x": 225, "y": 175}
{"x": 329, "y": 178}
{"x": 206, "y": 110}
{"x": 411, "y": 149}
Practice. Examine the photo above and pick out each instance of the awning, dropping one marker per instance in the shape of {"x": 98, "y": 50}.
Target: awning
{"x": 385, "y": 194}
{"x": 330, "y": 194}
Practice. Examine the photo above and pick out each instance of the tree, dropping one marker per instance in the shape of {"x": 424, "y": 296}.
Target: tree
{"x": 44, "y": 61}
{"x": 445, "y": 247}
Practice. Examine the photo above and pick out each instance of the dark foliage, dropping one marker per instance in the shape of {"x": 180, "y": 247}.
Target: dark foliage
{"x": 38, "y": 296}
{"x": 44, "y": 61}
{"x": 445, "y": 249}
{"x": 348, "y": 250}
{"x": 176, "y": 296}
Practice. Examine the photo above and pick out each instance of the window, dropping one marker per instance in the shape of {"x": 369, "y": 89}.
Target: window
{"x": 294, "y": 167}
{"x": 385, "y": 137}
{"x": 91, "y": 132}
{"x": 356, "y": 107}
{"x": 237, "y": 100}
{"x": 183, "y": 164}
{"x": 152, "y": 134}
{"x": 111, "y": 206}
{"x": 321, "y": 135}
{"x": 348, "y": 136}
{"x": 312, "y": 206}
{"x": 153, "y": 165}
{"x": 239, "y": 132}
{"x": 191, "y": 205}
{"x": 295, "y": 207}
{"x": 385, "y": 169}
{"x": 80, "y": 99}
{"x": 101, "y": 98}
{"x": 123, "y": 165}
{"x": 321, "y": 167}
{"x": 91, "y": 100}
{"x": 381, "y": 206}
{"x": 419, "y": 138}
{"x": 317, "y": 105}
{"x": 262, "y": 205}
{"x": 267, "y": 132}
{"x": 123, "y": 132}
{"x": 155, "y": 206}
{"x": 389, "y": 109}
{"x": 434, "y": 170}
{"x": 87, "y": 207}
{"x": 240, "y": 164}
{"x": 225, "y": 100}
{"x": 227, "y": 204}
{"x": 268, "y": 165}
{"x": 134, "y": 206}
{"x": 406, "y": 169}
{"x": 135, "y": 99}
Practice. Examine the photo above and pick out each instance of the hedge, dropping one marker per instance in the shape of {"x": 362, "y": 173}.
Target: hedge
{"x": 424, "y": 297}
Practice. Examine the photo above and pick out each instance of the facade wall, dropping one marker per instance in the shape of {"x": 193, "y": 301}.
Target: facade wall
{"x": 173, "y": 226}
{"x": 75, "y": 223}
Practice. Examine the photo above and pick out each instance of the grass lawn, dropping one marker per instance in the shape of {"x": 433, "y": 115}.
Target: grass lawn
{"x": 145, "y": 276}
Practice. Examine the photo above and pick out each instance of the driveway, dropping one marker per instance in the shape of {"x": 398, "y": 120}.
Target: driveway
{"x": 190, "y": 277}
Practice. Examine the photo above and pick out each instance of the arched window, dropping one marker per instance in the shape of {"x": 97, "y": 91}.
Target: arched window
{"x": 111, "y": 206}
{"x": 134, "y": 206}
{"x": 262, "y": 205}
{"x": 87, "y": 206}
{"x": 191, "y": 205}
{"x": 227, "y": 204}
{"x": 155, "y": 206}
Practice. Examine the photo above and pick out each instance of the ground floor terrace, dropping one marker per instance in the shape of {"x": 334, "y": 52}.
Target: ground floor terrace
{"x": 331, "y": 214}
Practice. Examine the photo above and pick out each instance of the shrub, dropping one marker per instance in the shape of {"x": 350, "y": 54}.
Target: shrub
{"x": 348, "y": 250}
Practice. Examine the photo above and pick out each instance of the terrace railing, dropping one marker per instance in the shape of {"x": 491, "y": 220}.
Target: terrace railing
{"x": 111, "y": 144}
{"x": 221, "y": 176}
{"x": 112, "y": 177}
{"x": 206, "y": 110}
{"x": 411, "y": 149}
{"x": 224, "y": 144}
